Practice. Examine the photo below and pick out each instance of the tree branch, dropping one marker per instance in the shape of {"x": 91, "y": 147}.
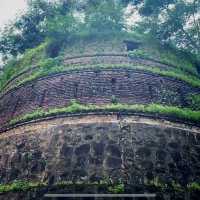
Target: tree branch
{"x": 196, "y": 46}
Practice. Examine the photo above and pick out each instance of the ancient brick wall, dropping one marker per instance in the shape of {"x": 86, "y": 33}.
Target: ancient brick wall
{"x": 89, "y": 60}
{"x": 95, "y": 87}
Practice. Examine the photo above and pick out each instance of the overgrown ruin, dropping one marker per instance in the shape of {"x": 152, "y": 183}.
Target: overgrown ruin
{"x": 66, "y": 129}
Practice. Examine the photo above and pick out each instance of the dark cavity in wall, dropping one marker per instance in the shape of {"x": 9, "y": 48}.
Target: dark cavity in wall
{"x": 75, "y": 90}
{"x": 53, "y": 49}
{"x": 131, "y": 45}
{"x": 198, "y": 67}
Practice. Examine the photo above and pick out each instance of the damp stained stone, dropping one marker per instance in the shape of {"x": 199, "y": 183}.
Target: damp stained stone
{"x": 149, "y": 175}
{"x": 82, "y": 162}
{"x": 147, "y": 165}
{"x": 98, "y": 161}
{"x": 37, "y": 155}
{"x": 113, "y": 81}
{"x": 75, "y": 90}
{"x": 143, "y": 152}
{"x": 176, "y": 156}
{"x": 66, "y": 151}
{"x": 14, "y": 173}
{"x": 79, "y": 173}
{"x": 160, "y": 167}
{"x": 88, "y": 137}
{"x": 172, "y": 167}
{"x": 126, "y": 128}
{"x": 83, "y": 149}
{"x": 161, "y": 155}
{"x": 173, "y": 145}
{"x": 20, "y": 145}
{"x": 34, "y": 167}
{"x": 113, "y": 150}
{"x": 98, "y": 148}
{"x": 95, "y": 178}
{"x": 86, "y": 129}
{"x": 113, "y": 162}
{"x": 15, "y": 159}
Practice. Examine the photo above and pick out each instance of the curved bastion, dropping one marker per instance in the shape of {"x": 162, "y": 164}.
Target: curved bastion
{"x": 104, "y": 117}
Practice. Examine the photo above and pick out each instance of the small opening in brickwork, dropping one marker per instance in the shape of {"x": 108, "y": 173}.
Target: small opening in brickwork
{"x": 198, "y": 68}
{"x": 161, "y": 81}
{"x": 42, "y": 98}
{"x": 88, "y": 137}
{"x": 113, "y": 81}
{"x": 53, "y": 49}
{"x": 131, "y": 45}
{"x": 75, "y": 90}
{"x": 150, "y": 90}
{"x": 128, "y": 75}
{"x": 97, "y": 71}
{"x": 17, "y": 103}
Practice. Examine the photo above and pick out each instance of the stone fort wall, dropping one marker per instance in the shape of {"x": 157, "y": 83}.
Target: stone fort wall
{"x": 94, "y": 148}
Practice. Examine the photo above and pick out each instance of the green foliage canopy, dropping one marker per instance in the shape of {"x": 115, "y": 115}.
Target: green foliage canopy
{"x": 60, "y": 20}
{"x": 171, "y": 21}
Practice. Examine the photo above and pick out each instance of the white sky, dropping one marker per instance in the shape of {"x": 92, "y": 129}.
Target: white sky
{"x": 9, "y": 9}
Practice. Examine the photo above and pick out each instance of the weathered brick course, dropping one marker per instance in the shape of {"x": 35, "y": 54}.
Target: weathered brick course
{"x": 94, "y": 87}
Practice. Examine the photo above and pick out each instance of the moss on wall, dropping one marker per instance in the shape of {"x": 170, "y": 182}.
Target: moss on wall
{"x": 179, "y": 113}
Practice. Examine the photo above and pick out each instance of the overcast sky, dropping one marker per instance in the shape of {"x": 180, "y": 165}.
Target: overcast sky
{"x": 9, "y": 9}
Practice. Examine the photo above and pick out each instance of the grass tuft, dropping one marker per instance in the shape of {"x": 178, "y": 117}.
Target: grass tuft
{"x": 18, "y": 186}
{"x": 53, "y": 68}
{"x": 75, "y": 107}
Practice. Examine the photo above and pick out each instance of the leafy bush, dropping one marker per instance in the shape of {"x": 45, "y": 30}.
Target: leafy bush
{"x": 114, "y": 99}
{"x": 29, "y": 59}
{"x": 116, "y": 189}
{"x": 139, "y": 53}
{"x": 151, "y": 49}
{"x": 194, "y": 101}
{"x": 104, "y": 17}
{"x": 194, "y": 186}
{"x": 20, "y": 185}
{"x": 32, "y": 56}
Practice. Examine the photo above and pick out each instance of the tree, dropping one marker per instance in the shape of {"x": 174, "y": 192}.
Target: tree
{"x": 104, "y": 16}
{"x": 172, "y": 21}
{"x": 58, "y": 21}
{"x": 25, "y": 32}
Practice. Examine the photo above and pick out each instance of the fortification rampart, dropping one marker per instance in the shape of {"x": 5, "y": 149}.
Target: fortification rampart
{"x": 98, "y": 86}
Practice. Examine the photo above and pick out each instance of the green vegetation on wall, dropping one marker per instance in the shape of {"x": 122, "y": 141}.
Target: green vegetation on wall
{"x": 20, "y": 186}
{"x": 174, "y": 186}
{"x": 151, "y": 49}
{"x": 194, "y": 101}
{"x": 74, "y": 107}
{"x": 52, "y": 66}
{"x": 15, "y": 66}
{"x": 59, "y": 23}
{"x": 183, "y": 69}
{"x": 113, "y": 188}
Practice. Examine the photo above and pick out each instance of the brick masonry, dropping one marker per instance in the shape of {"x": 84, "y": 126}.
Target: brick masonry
{"x": 88, "y": 60}
{"x": 94, "y": 87}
